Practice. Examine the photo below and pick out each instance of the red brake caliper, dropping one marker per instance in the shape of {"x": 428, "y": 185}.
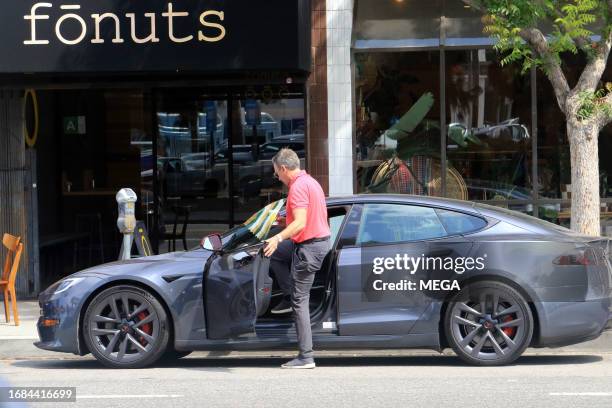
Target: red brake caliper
{"x": 147, "y": 327}
{"x": 509, "y": 331}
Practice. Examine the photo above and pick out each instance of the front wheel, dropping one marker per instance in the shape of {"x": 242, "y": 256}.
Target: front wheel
{"x": 488, "y": 323}
{"x": 126, "y": 327}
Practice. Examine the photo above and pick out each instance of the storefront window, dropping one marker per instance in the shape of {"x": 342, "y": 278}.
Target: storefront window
{"x": 488, "y": 137}
{"x": 266, "y": 126}
{"x": 398, "y": 122}
{"x": 92, "y": 144}
{"x": 192, "y": 186}
{"x": 389, "y": 24}
{"x": 488, "y": 114}
{"x": 463, "y": 25}
{"x": 214, "y": 159}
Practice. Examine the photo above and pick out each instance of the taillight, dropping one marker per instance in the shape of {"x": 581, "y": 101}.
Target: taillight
{"x": 580, "y": 257}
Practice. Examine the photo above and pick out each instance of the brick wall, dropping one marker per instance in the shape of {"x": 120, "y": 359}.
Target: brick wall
{"x": 318, "y": 161}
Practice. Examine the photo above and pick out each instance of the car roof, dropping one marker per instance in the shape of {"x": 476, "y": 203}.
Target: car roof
{"x": 501, "y": 214}
{"x": 404, "y": 199}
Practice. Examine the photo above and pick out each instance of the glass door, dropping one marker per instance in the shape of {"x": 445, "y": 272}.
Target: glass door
{"x": 193, "y": 177}
{"x": 260, "y": 128}
{"x": 214, "y": 159}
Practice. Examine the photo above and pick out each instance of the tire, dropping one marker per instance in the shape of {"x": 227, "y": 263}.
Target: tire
{"x": 490, "y": 333}
{"x": 120, "y": 338}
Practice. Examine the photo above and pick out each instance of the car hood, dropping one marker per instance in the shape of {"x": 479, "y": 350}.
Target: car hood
{"x": 148, "y": 264}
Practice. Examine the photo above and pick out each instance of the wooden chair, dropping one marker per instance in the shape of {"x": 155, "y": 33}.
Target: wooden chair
{"x": 9, "y": 273}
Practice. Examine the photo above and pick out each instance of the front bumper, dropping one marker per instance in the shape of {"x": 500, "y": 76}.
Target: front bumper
{"x": 64, "y": 307}
{"x": 63, "y": 336}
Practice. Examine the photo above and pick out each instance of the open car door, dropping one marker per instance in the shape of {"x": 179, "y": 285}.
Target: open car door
{"x": 237, "y": 288}
{"x": 237, "y": 285}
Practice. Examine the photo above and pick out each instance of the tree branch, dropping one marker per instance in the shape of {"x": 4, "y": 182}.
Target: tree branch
{"x": 592, "y": 73}
{"x": 602, "y": 118}
{"x": 536, "y": 39}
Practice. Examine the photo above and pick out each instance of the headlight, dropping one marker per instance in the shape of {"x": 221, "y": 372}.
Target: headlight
{"x": 64, "y": 284}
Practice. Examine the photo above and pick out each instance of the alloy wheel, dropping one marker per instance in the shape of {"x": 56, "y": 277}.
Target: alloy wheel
{"x": 490, "y": 325}
{"x": 124, "y": 327}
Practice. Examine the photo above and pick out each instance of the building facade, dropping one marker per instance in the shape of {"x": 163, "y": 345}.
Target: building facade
{"x": 433, "y": 111}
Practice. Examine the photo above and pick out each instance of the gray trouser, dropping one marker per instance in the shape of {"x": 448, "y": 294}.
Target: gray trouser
{"x": 280, "y": 266}
{"x": 306, "y": 260}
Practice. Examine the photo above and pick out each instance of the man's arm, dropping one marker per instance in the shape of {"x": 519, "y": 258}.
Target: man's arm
{"x": 297, "y": 225}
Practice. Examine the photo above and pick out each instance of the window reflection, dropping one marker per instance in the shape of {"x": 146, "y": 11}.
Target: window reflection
{"x": 192, "y": 182}
{"x": 266, "y": 127}
{"x": 397, "y": 23}
{"x": 398, "y": 127}
{"x": 488, "y": 116}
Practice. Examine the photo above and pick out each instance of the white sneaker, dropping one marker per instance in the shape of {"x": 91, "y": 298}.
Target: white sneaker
{"x": 297, "y": 363}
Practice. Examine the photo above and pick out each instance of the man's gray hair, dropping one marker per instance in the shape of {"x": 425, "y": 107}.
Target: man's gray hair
{"x": 288, "y": 158}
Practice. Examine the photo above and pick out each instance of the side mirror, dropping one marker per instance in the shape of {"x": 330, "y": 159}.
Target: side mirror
{"x": 212, "y": 242}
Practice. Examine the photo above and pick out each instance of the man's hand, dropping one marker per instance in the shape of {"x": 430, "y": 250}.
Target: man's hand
{"x": 271, "y": 245}
{"x": 295, "y": 227}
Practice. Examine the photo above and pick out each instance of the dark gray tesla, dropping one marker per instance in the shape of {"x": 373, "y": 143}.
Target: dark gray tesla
{"x": 522, "y": 282}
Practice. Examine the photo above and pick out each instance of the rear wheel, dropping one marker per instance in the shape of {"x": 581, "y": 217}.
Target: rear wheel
{"x": 488, "y": 323}
{"x": 126, "y": 327}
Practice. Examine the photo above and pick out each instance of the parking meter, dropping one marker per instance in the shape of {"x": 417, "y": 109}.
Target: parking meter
{"x": 126, "y": 222}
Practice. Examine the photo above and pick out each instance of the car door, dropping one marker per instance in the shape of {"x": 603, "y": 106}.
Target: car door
{"x": 408, "y": 235}
{"x": 237, "y": 285}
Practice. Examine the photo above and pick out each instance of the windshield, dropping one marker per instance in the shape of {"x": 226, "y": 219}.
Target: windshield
{"x": 254, "y": 230}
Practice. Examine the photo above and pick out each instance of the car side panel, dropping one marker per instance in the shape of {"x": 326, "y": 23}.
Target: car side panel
{"x": 363, "y": 310}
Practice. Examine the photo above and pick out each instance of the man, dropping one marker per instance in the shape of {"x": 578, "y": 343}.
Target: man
{"x": 308, "y": 229}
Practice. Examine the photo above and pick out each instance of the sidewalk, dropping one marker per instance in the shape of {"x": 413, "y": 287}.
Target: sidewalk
{"x": 28, "y": 315}
{"x": 16, "y": 342}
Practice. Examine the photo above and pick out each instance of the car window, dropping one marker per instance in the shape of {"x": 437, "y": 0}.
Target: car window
{"x": 459, "y": 223}
{"x": 528, "y": 219}
{"x": 389, "y": 223}
{"x": 336, "y": 217}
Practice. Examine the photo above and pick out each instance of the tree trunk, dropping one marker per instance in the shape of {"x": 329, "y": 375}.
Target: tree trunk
{"x": 584, "y": 153}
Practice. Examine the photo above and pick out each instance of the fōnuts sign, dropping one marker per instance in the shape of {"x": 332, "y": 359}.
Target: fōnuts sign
{"x": 208, "y": 19}
{"x": 101, "y": 36}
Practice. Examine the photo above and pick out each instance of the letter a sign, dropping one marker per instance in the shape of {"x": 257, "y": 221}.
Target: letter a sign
{"x": 74, "y": 125}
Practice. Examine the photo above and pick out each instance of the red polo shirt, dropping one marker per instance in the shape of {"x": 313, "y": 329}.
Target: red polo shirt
{"x": 306, "y": 192}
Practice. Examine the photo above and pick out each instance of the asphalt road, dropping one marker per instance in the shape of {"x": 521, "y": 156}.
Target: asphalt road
{"x": 552, "y": 380}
